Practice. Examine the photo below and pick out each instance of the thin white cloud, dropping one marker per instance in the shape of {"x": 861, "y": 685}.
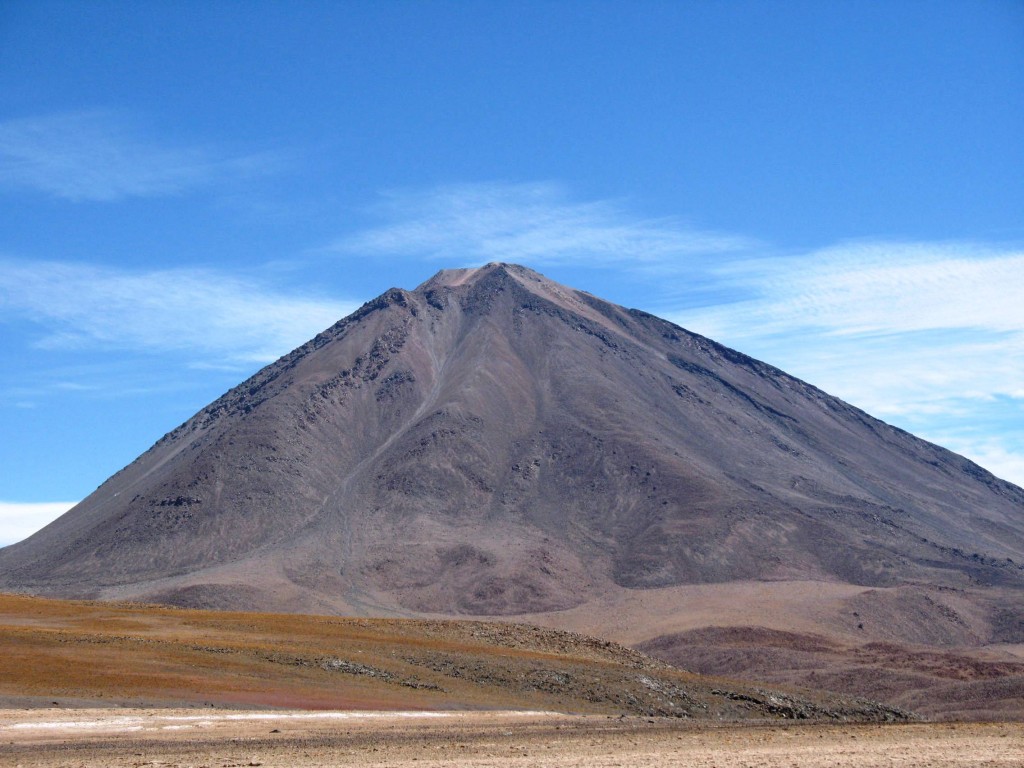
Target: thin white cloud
{"x": 102, "y": 156}
{"x": 926, "y": 335}
{"x": 920, "y": 286}
{"x": 20, "y": 520}
{"x": 532, "y": 223}
{"x": 990, "y": 453}
{"x": 217, "y": 317}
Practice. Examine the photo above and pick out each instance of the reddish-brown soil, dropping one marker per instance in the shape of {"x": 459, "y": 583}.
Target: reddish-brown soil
{"x": 976, "y": 684}
{"x": 858, "y": 641}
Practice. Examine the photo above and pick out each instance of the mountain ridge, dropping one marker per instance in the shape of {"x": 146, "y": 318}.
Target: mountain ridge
{"x": 586, "y": 446}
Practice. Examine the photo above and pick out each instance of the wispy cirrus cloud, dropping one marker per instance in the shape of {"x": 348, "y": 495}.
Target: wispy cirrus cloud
{"x": 104, "y": 156}
{"x": 927, "y": 335}
{"x": 878, "y": 287}
{"x": 536, "y": 223}
{"x": 213, "y": 316}
{"x": 20, "y": 520}
{"x": 987, "y": 450}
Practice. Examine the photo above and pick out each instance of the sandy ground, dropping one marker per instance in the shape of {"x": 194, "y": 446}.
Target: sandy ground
{"x": 223, "y": 739}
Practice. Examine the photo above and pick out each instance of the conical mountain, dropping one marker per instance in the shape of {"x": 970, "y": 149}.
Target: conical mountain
{"x": 496, "y": 443}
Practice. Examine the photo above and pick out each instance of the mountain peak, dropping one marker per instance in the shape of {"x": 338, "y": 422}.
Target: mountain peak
{"x": 498, "y": 275}
{"x": 453, "y": 278}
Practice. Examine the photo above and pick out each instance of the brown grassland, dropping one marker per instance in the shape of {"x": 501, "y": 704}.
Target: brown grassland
{"x": 76, "y": 653}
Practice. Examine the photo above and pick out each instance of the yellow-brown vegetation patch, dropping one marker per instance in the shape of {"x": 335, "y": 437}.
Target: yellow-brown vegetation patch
{"x": 88, "y": 653}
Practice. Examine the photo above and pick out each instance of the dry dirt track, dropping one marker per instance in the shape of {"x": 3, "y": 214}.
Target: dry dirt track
{"x": 219, "y": 738}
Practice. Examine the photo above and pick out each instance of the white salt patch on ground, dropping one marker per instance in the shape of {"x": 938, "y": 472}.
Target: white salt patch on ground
{"x": 209, "y": 720}
{"x": 121, "y": 723}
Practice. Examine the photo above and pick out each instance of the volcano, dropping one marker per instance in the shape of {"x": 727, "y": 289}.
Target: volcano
{"x": 494, "y": 443}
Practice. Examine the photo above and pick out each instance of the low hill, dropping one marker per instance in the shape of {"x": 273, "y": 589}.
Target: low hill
{"x": 68, "y": 653}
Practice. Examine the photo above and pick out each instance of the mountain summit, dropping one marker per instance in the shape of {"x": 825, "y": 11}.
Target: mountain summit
{"x": 495, "y": 443}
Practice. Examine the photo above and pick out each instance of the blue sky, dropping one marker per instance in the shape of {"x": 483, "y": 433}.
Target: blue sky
{"x": 190, "y": 189}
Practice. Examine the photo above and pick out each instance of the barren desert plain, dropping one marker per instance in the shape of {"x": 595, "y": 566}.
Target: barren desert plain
{"x": 225, "y": 738}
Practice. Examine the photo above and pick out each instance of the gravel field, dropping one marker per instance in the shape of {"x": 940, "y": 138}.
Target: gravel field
{"x": 223, "y": 739}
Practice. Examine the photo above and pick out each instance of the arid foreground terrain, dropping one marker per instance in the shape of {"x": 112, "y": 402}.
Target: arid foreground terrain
{"x": 222, "y": 738}
{"x": 100, "y": 684}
